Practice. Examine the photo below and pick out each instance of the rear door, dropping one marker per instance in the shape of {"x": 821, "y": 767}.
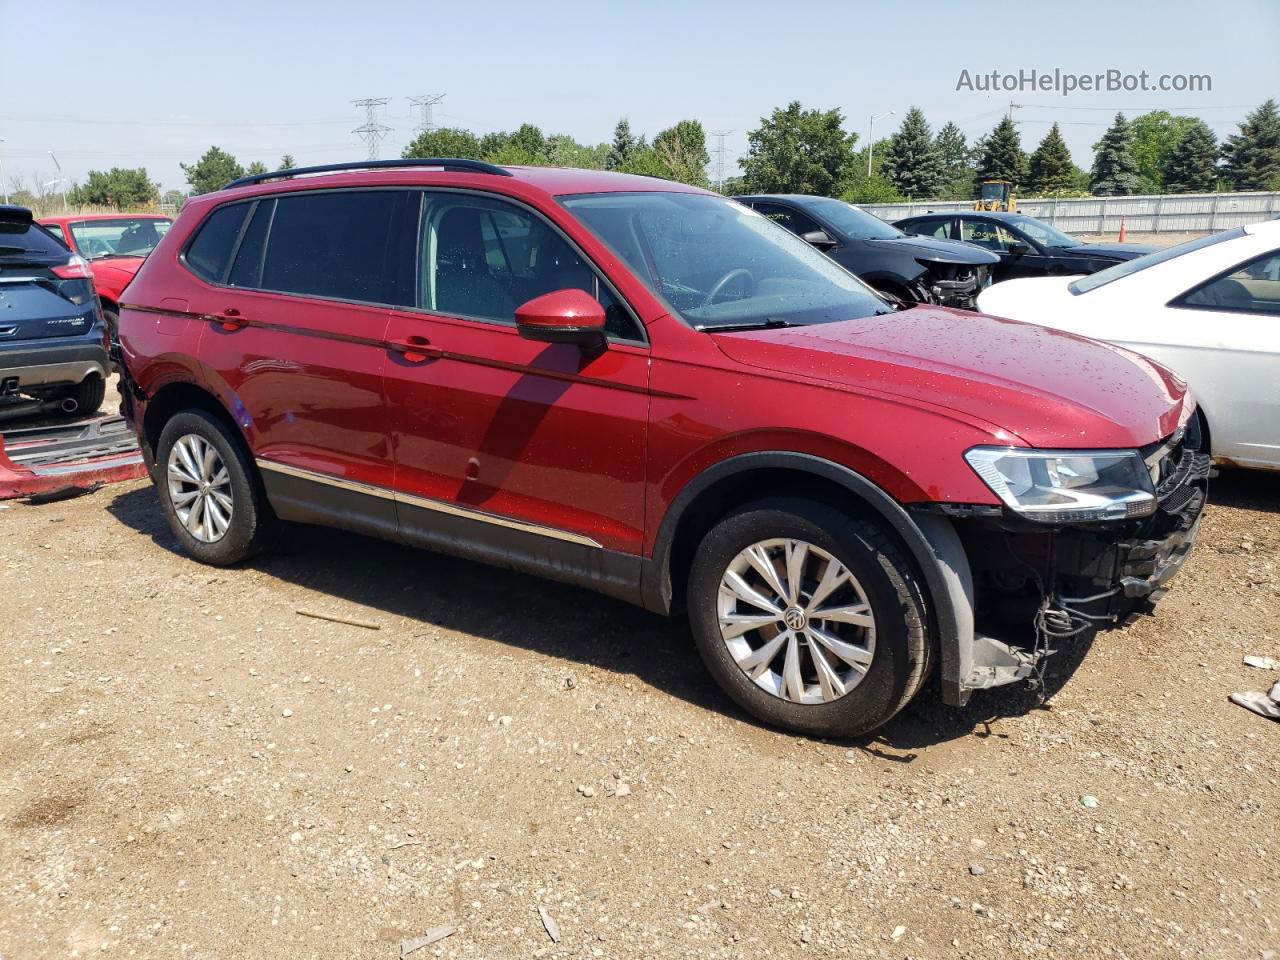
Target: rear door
{"x": 296, "y": 327}
{"x": 516, "y": 447}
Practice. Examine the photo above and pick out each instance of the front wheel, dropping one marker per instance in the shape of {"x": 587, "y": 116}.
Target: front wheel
{"x": 810, "y": 619}
{"x": 210, "y": 491}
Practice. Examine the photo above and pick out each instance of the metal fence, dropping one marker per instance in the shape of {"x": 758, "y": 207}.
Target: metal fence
{"x": 1172, "y": 213}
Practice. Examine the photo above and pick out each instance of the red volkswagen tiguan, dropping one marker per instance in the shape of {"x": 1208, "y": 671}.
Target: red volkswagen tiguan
{"x": 653, "y": 391}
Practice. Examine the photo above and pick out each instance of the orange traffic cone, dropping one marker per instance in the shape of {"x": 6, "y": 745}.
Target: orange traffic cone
{"x": 1121, "y": 240}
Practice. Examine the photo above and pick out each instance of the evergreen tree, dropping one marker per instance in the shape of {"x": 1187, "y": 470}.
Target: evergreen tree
{"x": 956, "y": 158}
{"x": 1253, "y": 155}
{"x": 623, "y": 146}
{"x": 121, "y": 189}
{"x": 1193, "y": 166}
{"x": 256, "y": 167}
{"x": 1051, "y": 169}
{"x": 212, "y": 171}
{"x": 1115, "y": 169}
{"x": 1000, "y": 157}
{"x": 287, "y": 162}
{"x": 912, "y": 162}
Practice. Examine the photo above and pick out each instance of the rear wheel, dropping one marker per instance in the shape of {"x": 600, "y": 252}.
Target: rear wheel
{"x": 809, "y": 619}
{"x": 210, "y": 491}
{"x": 84, "y": 398}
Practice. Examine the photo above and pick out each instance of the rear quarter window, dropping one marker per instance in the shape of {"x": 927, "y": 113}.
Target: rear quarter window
{"x": 210, "y": 252}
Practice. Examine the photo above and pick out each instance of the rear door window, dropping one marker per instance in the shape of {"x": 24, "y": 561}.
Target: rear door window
{"x": 209, "y": 254}
{"x": 332, "y": 244}
{"x": 1251, "y": 288}
{"x": 930, "y": 228}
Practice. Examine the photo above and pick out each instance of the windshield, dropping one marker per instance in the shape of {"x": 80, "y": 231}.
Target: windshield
{"x": 853, "y": 223}
{"x": 1042, "y": 233}
{"x": 721, "y": 265}
{"x": 123, "y": 237}
{"x": 993, "y": 191}
{"x": 1127, "y": 267}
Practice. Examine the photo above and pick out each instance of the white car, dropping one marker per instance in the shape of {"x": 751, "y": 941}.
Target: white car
{"x": 1208, "y": 309}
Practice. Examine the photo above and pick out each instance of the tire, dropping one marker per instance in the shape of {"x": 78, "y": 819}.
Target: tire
{"x": 240, "y": 522}
{"x": 88, "y": 395}
{"x": 896, "y": 643}
{"x": 111, "y": 317}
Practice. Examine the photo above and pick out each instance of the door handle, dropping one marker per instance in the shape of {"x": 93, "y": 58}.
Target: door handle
{"x": 230, "y": 319}
{"x": 415, "y": 349}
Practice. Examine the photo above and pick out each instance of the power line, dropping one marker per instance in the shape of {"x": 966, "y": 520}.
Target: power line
{"x": 372, "y": 131}
{"x": 719, "y": 152}
{"x": 424, "y": 103}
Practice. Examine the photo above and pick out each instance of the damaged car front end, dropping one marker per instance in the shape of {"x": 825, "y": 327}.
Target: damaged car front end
{"x": 1082, "y": 541}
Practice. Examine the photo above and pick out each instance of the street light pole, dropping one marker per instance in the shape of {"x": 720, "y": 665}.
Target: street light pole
{"x": 3, "y": 187}
{"x": 871, "y": 135}
{"x": 62, "y": 181}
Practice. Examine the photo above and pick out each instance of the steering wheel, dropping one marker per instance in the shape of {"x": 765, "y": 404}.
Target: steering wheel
{"x": 718, "y": 287}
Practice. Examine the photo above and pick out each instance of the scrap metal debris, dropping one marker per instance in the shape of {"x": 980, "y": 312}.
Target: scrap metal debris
{"x": 1263, "y": 704}
{"x": 334, "y": 618}
{"x": 431, "y": 936}
{"x": 549, "y": 924}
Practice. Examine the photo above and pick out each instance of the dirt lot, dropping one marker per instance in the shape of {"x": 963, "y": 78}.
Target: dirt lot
{"x": 191, "y": 769}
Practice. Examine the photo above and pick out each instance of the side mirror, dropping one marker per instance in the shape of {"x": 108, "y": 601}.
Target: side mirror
{"x": 1018, "y": 249}
{"x": 818, "y": 238}
{"x": 564, "y": 316}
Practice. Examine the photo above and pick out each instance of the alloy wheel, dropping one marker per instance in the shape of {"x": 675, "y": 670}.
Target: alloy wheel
{"x": 796, "y": 621}
{"x": 200, "y": 488}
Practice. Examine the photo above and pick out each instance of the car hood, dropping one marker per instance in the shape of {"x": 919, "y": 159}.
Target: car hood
{"x": 937, "y": 250}
{"x": 1047, "y": 387}
{"x": 1117, "y": 251}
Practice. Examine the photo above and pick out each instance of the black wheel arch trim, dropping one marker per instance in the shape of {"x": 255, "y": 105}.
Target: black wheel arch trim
{"x": 656, "y": 587}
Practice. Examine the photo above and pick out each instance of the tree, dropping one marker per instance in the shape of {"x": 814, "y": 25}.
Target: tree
{"x": 957, "y": 159}
{"x": 1253, "y": 155}
{"x": 912, "y": 162}
{"x": 530, "y": 140}
{"x": 118, "y": 188}
{"x": 444, "y": 142}
{"x": 1155, "y": 136}
{"x": 1193, "y": 166}
{"x": 564, "y": 151}
{"x": 683, "y": 149}
{"x": 287, "y": 162}
{"x": 1050, "y": 169}
{"x": 799, "y": 151}
{"x": 1115, "y": 170}
{"x": 212, "y": 171}
{"x": 623, "y": 146}
{"x": 256, "y": 167}
{"x": 1000, "y": 157}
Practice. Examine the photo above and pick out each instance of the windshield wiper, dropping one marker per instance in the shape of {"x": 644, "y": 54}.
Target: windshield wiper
{"x": 768, "y": 323}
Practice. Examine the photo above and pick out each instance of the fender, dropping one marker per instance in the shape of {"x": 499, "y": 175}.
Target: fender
{"x": 954, "y": 626}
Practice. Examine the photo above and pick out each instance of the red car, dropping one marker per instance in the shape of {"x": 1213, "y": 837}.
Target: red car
{"x": 115, "y": 244}
{"x": 656, "y": 392}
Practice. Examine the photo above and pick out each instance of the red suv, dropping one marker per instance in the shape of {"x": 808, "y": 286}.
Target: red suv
{"x": 656, "y": 392}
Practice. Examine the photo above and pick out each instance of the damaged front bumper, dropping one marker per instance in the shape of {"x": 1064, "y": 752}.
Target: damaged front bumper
{"x": 955, "y": 284}
{"x": 1021, "y": 589}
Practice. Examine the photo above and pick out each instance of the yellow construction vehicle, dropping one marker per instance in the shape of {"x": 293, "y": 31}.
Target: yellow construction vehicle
{"x": 996, "y": 195}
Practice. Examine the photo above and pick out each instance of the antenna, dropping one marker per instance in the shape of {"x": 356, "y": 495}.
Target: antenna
{"x": 424, "y": 103}
{"x": 372, "y": 132}
{"x": 719, "y": 152}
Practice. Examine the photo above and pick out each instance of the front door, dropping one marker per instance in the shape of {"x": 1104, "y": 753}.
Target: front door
{"x": 531, "y": 453}
{"x": 1000, "y": 240}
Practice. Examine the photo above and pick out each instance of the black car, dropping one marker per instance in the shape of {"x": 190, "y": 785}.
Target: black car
{"x": 914, "y": 269}
{"x": 1027, "y": 247}
{"x": 53, "y": 354}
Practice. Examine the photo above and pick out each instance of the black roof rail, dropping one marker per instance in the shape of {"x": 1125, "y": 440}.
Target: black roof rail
{"x": 444, "y": 163}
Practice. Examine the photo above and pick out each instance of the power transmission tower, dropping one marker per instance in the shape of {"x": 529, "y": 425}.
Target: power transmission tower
{"x": 719, "y": 152}
{"x": 424, "y": 103}
{"x": 372, "y": 132}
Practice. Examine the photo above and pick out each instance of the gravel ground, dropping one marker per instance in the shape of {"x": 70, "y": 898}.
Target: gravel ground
{"x": 192, "y": 769}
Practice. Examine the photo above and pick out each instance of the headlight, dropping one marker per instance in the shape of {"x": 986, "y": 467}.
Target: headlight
{"x": 1066, "y": 486}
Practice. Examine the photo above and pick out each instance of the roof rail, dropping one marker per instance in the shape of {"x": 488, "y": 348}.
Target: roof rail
{"x": 444, "y": 163}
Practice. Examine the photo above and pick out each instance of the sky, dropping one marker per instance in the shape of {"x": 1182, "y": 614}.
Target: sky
{"x": 155, "y": 83}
